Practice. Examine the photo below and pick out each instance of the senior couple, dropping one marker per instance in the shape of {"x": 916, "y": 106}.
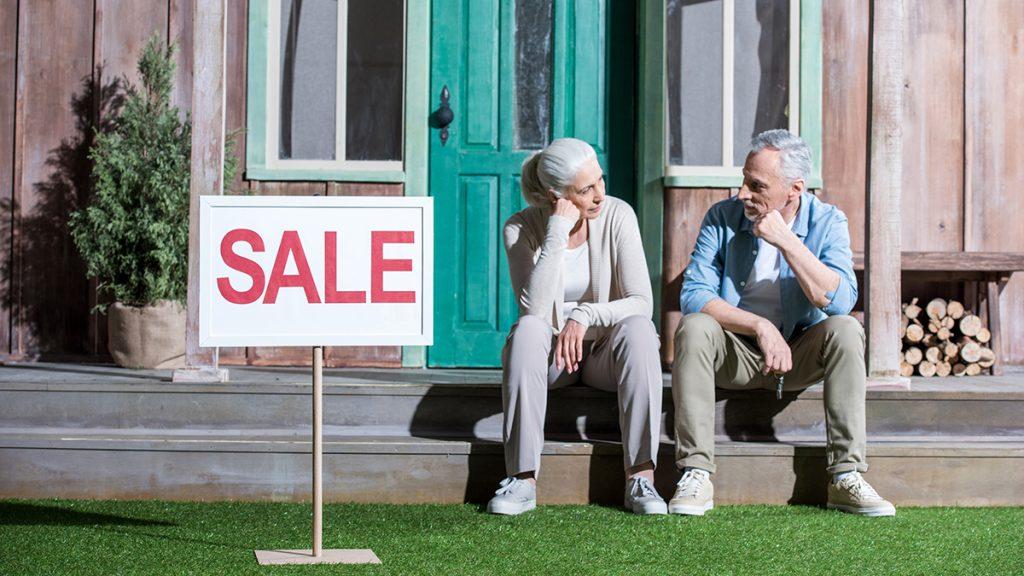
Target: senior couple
{"x": 765, "y": 298}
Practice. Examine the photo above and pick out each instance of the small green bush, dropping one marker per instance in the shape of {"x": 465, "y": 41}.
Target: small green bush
{"x": 133, "y": 235}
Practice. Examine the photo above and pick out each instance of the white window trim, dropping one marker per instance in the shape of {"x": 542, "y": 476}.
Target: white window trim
{"x": 273, "y": 112}
{"x": 726, "y": 169}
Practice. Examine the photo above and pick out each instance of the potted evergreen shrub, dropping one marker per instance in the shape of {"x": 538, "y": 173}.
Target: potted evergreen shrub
{"x": 133, "y": 234}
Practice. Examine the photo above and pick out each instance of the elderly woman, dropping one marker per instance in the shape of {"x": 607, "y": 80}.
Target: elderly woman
{"x": 580, "y": 277}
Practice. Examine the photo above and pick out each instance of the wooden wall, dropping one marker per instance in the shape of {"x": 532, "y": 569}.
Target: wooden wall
{"x": 60, "y": 61}
{"x": 963, "y": 174}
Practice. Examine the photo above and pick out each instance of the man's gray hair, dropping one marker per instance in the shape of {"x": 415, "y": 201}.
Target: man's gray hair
{"x": 794, "y": 157}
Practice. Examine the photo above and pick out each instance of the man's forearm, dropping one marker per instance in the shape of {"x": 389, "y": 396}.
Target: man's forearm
{"x": 732, "y": 318}
{"x": 816, "y": 279}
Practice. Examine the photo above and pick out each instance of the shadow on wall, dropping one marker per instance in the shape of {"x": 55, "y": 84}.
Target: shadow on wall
{"x": 45, "y": 289}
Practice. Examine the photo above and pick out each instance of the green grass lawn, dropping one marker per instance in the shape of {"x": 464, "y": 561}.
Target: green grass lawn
{"x": 61, "y": 537}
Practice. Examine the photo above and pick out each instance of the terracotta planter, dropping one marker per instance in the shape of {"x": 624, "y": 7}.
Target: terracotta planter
{"x": 151, "y": 337}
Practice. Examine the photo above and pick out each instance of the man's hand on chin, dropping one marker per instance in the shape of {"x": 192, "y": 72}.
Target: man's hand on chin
{"x": 773, "y": 229}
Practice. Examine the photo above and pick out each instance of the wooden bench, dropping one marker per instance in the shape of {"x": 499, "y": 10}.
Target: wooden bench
{"x": 985, "y": 275}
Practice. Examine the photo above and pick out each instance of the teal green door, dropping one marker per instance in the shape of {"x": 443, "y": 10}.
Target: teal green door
{"x": 518, "y": 74}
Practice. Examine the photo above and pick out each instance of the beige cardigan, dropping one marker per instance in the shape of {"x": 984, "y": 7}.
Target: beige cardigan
{"x": 535, "y": 243}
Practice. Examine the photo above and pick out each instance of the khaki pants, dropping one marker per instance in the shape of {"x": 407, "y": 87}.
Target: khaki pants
{"x": 626, "y": 361}
{"x": 707, "y": 356}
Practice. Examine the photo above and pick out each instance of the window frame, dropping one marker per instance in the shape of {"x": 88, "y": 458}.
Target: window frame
{"x": 804, "y": 98}
{"x": 263, "y": 116}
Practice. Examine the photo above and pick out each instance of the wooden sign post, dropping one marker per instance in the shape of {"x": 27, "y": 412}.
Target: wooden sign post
{"x": 316, "y": 271}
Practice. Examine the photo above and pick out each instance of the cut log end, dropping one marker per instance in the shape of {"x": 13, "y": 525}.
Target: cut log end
{"x": 970, "y": 325}
{"x": 936, "y": 309}
{"x": 926, "y": 369}
{"x": 915, "y": 332}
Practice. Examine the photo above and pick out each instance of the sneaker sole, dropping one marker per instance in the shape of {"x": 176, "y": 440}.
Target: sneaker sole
{"x": 691, "y": 510}
{"x": 510, "y": 510}
{"x": 652, "y": 509}
{"x": 873, "y": 512}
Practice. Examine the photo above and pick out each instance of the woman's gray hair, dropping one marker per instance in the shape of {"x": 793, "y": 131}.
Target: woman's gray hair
{"x": 794, "y": 157}
{"x": 553, "y": 168}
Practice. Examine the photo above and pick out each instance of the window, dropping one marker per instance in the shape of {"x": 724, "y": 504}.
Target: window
{"x": 734, "y": 68}
{"x": 328, "y": 89}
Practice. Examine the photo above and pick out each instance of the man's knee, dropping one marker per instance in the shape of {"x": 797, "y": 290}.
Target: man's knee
{"x": 845, "y": 331}
{"x": 694, "y": 331}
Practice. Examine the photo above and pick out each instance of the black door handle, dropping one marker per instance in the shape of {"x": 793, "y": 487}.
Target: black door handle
{"x": 443, "y": 116}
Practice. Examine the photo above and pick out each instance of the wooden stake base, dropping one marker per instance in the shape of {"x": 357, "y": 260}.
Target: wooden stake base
{"x": 336, "y": 556}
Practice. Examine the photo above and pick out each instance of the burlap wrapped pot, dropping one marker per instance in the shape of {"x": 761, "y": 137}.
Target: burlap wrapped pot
{"x": 151, "y": 337}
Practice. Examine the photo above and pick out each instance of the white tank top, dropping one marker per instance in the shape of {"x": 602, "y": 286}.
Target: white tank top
{"x": 576, "y": 272}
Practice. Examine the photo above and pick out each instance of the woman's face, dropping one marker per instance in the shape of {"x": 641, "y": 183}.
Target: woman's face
{"x": 586, "y": 191}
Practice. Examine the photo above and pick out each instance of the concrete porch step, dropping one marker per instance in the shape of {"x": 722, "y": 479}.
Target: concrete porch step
{"x": 467, "y": 403}
{"x": 965, "y": 471}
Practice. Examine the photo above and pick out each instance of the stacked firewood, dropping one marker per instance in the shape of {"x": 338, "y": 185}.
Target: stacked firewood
{"x": 943, "y": 338}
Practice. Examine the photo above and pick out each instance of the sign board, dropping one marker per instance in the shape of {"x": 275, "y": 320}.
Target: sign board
{"x": 315, "y": 271}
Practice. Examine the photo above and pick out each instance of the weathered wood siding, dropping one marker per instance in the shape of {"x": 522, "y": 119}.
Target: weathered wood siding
{"x": 61, "y": 62}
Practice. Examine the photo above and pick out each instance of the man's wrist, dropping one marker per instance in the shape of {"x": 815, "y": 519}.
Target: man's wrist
{"x": 789, "y": 244}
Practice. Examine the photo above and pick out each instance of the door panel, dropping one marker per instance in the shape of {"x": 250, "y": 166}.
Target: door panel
{"x": 479, "y": 54}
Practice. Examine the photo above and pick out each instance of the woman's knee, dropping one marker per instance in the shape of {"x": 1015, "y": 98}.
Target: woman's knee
{"x": 636, "y": 331}
{"x": 531, "y": 328}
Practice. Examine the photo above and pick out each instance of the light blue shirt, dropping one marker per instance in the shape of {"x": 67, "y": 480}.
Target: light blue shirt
{"x": 724, "y": 255}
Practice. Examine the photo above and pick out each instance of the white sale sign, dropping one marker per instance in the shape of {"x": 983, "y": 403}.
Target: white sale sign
{"x": 313, "y": 271}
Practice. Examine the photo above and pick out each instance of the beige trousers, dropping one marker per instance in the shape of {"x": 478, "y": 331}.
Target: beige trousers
{"x": 707, "y": 356}
{"x": 626, "y": 361}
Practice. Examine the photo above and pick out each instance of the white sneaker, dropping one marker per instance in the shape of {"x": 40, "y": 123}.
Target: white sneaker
{"x": 515, "y": 496}
{"x": 694, "y": 494}
{"x": 642, "y": 498}
{"x": 853, "y": 494}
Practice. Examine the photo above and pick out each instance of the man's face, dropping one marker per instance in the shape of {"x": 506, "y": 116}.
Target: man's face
{"x": 764, "y": 188}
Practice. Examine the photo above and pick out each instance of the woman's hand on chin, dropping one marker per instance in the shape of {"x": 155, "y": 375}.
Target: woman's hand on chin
{"x": 566, "y": 209}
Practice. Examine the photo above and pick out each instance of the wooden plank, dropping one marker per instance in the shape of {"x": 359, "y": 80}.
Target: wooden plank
{"x": 884, "y": 189}
{"x": 235, "y": 86}
{"x": 994, "y": 322}
{"x": 684, "y": 211}
{"x": 954, "y": 261}
{"x": 266, "y": 188}
{"x": 208, "y": 54}
{"x": 8, "y": 87}
{"x": 363, "y": 189}
{"x": 994, "y": 99}
{"x": 52, "y": 119}
{"x": 179, "y": 33}
{"x": 363, "y": 356}
{"x": 845, "y": 109}
{"x": 933, "y": 126}
{"x": 122, "y": 28}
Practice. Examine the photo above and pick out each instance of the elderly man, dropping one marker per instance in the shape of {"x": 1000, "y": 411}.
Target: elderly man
{"x": 766, "y": 299}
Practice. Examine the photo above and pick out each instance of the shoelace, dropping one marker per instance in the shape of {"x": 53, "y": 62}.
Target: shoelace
{"x": 643, "y": 486}
{"x": 860, "y": 487}
{"x": 509, "y": 485}
{"x": 691, "y": 483}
